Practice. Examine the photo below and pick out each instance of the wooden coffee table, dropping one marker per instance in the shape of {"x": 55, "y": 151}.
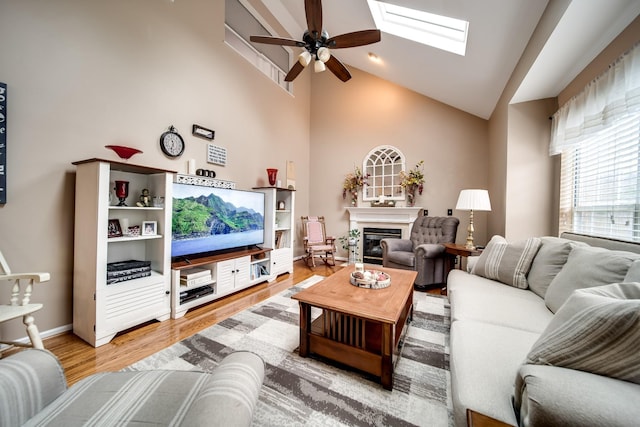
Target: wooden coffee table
{"x": 358, "y": 327}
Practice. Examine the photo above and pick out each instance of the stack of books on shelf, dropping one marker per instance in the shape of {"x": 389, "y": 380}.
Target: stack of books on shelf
{"x": 194, "y": 277}
{"x": 122, "y": 271}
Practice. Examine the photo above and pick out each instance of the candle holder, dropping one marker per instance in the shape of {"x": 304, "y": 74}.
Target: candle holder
{"x": 122, "y": 191}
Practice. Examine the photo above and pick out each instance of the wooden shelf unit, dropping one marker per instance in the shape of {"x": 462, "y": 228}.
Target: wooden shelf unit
{"x": 230, "y": 272}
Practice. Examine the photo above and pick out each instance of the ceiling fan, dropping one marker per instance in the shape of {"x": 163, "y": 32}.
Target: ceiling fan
{"x": 317, "y": 43}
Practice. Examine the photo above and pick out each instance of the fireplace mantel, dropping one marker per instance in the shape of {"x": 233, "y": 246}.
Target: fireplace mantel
{"x": 404, "y": 217}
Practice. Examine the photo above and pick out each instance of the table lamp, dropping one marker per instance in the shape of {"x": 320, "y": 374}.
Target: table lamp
{"x": 473, "y": 200}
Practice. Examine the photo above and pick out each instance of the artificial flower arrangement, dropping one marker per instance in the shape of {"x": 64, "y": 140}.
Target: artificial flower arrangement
{"x": 412, "y": 181}
{"x": 353, "y": 182}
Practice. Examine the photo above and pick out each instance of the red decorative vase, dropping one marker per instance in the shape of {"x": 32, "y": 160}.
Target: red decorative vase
{"x": 272, "y": 174}
{"x": 122, "y": 191}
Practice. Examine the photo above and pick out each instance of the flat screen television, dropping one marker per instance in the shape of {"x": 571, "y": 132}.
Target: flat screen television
{"x": 206, "y": 220}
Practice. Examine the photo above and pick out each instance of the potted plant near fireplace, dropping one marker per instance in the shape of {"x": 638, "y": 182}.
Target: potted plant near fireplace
{"x": 351, "y": 243}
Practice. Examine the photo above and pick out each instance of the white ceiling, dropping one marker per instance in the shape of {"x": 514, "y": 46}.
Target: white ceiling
{"x": 499, "y": 31}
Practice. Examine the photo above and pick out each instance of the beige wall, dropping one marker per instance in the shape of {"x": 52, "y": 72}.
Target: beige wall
{"x": 530, "y": 171}
{"x": 82, "y": 75}
{"x": 516, "y": 133}
{"x": 349, "y": 119}
{"x": 524, "y": 180}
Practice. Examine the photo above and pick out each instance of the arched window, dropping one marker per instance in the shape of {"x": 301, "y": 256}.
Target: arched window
{"x": 383, "y": 164}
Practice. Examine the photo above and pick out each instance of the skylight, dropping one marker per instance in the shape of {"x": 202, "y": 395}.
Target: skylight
{"x": 438, "y": 31}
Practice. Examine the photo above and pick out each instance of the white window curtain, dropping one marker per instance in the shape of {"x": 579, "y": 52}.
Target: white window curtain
{"x": 598, "y": 135}
{"x": 610, "y": 97}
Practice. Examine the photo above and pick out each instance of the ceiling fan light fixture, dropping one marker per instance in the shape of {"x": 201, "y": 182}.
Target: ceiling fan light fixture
{"x": 324, "y": 54}
{"x": 304, "y": 58}
{"x": 319, "y": 66}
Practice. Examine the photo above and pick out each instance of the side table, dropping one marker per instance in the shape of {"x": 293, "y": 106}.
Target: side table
{"x": 457, "y": 251}
{"x": 476, "y": 419}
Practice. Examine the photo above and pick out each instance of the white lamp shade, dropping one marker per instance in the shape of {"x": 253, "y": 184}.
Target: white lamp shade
{"x": 473, "y": 200}
{"x": 304, "y": 58}
{"x": 319, "y": 66}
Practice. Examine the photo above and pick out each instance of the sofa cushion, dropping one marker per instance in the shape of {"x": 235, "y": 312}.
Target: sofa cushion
{"x": 633, "y": 274}
{"x": 552, "y": 396}
{"x": 508, "y": 263}
{"x": 587, "y": 267}
{"x": 485, "y": 359}
{"x": 548, "y": 262}
{"x": 477, "y": 298}
{"x": 597, "y": 330}
{"x": 29, "y": 381}
{"x": 226, "y": 397}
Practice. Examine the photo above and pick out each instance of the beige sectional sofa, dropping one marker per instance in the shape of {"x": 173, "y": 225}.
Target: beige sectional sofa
{"x": 541, "y": 337}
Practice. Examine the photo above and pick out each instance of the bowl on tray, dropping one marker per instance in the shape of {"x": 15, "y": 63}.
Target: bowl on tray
{"x": 371, "y": 279}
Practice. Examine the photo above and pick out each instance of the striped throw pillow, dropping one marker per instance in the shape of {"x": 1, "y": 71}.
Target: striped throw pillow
{"x": 508, "y": 263}
{"x": 596, "y": 330}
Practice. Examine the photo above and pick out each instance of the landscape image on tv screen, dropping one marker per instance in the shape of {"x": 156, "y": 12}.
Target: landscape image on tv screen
{"x": 208, "y": 219}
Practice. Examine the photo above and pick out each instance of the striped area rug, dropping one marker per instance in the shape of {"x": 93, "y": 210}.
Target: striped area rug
{"x": 312, "y": 392}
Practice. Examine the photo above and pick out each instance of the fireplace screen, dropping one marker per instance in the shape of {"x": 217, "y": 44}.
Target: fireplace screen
{"x": 371, "y": 249}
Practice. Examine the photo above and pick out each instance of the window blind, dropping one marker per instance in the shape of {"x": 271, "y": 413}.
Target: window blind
{"x": 599, "y": 184}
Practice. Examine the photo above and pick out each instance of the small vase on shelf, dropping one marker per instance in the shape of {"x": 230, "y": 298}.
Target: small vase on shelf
{"x": 122, "y": 191}
{"x": 272, "y": 174}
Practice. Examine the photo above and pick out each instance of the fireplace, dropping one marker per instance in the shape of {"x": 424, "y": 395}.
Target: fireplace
{"x": 371, "y": 249}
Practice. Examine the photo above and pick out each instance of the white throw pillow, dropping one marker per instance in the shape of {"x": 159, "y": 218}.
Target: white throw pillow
{"x": 508, "y": 263}
{"x": 587, "y": 267}
{"x": 596, "y": 330}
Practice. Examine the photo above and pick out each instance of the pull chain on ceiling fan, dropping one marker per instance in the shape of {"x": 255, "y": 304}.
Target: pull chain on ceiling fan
{"x": 317, "y": 44}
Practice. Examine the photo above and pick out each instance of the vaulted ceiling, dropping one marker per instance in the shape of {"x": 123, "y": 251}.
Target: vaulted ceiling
{"x": 499, "y": 31}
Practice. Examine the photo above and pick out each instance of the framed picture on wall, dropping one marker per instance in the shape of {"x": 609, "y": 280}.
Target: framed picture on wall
{"x": 114, "y": 228}
{"x": 149, "y": 228}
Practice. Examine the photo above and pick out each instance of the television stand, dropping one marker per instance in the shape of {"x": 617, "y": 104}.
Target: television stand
{"x": 228, "y": 272}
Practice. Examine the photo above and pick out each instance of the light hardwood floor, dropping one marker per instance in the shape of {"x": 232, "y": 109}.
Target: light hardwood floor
{"x": 80, "y": 359}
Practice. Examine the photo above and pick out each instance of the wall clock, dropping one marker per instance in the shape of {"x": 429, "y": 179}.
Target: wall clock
{"x": 171, "y": 143}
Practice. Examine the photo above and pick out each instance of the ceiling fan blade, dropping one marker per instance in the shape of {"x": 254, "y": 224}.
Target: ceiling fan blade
{"x": 357, "y": 38}
{"x": 276, "y": 40}
{"x": 313, "y": 9}
{"x": 338, "y": 69}
{"x": 294, "y": 71}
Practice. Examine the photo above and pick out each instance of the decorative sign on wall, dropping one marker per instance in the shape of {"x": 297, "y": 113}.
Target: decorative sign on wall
{"x": 216, "y": 155}
{"x": 3, "y": 143}
{"x": 201, "y": 180}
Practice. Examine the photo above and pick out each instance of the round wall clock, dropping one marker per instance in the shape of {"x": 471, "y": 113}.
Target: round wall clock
{"x": 171, "y": 143}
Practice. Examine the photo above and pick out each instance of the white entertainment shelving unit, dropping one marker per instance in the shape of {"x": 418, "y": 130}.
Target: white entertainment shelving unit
{"x": 279, "y": 233}
{"x": 237, "y": 270}
{"x": 230, "y": 272}
{"x": 100, "y": 311}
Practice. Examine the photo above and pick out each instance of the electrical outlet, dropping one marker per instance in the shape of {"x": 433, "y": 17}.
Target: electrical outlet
{"x": 449, "y": 212}
{"x": 425, "y": 212}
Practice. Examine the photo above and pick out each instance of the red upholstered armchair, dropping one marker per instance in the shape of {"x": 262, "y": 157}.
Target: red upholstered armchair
{"x": 424, "y": 251}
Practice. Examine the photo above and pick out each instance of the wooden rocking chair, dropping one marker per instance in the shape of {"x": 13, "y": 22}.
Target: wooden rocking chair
{"x": 19, "y": 304}
{"x": 316, "y": 242}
